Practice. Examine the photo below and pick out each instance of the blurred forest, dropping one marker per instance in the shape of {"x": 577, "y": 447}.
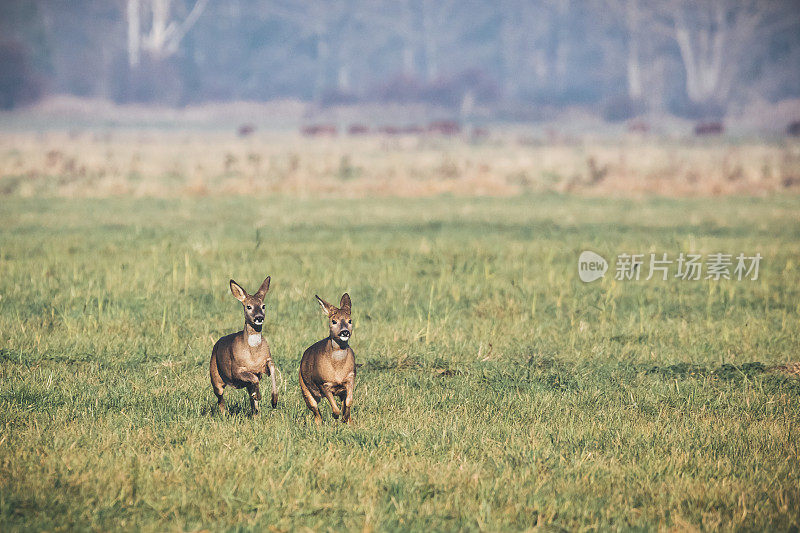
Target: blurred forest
{"x": 693, "y": 58}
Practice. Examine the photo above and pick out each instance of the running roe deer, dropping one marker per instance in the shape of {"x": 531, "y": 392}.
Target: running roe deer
{"x": 328, "y": 367}
{"x": 239, "y": 359}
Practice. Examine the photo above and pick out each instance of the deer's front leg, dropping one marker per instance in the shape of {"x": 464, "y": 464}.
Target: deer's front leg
{"x": 271, "y": 372}
{"x": 255, "y": 395}
{"x": 326, "y": 390}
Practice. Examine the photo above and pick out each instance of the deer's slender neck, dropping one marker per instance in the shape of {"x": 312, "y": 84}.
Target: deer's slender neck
{"x": 251, "y": 335}
{"x": 337, "y": 344}
{"x": 250, "y": 330}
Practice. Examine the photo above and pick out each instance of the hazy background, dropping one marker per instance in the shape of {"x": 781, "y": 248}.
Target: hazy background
{"x": 499, "y": 59}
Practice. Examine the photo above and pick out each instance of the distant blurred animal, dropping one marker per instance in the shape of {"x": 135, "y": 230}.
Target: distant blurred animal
{"x": 357, "y": 129}
{"x": 709, "y": 128}
{"x": 246, "y": 130}
{"x": 638, "y": 126}
{"x": 479, "y": 133}
{"x": 389, "y": 130}
{"x": 413, "y": 130}
{"x": 444, "y": 127}
{"x": 319, "y": 130}
{"x": 793, "y": 128}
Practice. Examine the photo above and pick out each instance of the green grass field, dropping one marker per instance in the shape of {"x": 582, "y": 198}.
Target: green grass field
{"x": 497, "y": 392}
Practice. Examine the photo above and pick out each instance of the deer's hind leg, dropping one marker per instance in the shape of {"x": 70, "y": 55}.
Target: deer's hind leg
{"x": 347, "y": 398}
{"x": 326, "y": 389}
{"x": 311, "y": 401}
{"x": 250, "y": 381}
{"x": 345, "y": 408}
{"x": 217, "y": 384}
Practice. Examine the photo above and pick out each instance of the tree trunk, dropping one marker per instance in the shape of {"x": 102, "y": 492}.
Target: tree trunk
{"x": 508, "y": 55}
{"x": 429, "y": 41}
{"x": 562, "y": 45}
{"x": 408, "y": 60}
{"x": 158, "y": 29}
{"x": 541, "y": 67}
{"x": 703, "y": 57}
{"x": 635, "y": 91}
{"x": 634, "y": 67}
{"x": 134, "y": 44}
{"x": 322, "y": 64}
{"x": 343, "y": 78}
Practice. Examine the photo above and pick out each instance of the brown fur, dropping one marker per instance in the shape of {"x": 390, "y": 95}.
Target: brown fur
{"x": 328, "y": 367}
{"x": 235, "y": 362}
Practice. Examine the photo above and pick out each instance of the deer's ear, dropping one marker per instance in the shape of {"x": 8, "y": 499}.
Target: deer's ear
{"x": 238, "y": 292}
{"x": 263, "y": 289}
{"x": 344, "y": 304}
{"x": 326, "y": 307}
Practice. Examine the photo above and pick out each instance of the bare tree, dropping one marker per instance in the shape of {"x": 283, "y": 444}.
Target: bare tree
{"x": 400, "y": 20}
{"x": 424, "y": 29}
{"x": 631, "y": 13}
{"x": 443, "y": 24}
{"x": 521, "y": 33}
{"x": 165, "y": 33}
{"x": 320, "y": 20}
{"x": 535, "y": 43}
{"x": 716, "y": 37}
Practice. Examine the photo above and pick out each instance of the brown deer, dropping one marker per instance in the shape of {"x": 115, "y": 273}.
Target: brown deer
{"x": 444, "y": 127}
{"x": 358, "y": 129}
{"x": 328, "y": 367}
{"x": 239, "y": 359}
{"x": 246, "y": 130}
{"x": 319, "y": 130}
{"x": 709, "y": 128}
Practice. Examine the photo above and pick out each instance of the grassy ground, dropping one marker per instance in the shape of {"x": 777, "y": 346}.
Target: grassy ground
{"x": 497, "y": 391}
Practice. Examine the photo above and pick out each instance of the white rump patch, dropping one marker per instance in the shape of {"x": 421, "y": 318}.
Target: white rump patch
{"x": 254, "y": 340}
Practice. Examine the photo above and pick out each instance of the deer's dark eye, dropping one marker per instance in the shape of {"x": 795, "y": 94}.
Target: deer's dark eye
{"x": 249, "y": 307}
{"x": 349, "y": 321}
{"x": 263, "y": 306}
{"x": 333, "y": 322}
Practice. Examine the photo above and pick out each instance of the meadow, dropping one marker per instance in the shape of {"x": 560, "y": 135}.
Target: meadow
{"x": 497, "y": 391}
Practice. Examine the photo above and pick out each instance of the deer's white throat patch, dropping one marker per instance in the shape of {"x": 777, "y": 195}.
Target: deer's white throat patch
{"x": 254, "y": 340}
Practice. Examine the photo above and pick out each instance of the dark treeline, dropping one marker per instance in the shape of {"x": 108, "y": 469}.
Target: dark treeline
{"x": 624, "y": 57}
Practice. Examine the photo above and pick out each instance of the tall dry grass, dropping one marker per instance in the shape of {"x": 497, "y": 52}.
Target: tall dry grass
{"x": 159, "y": 163}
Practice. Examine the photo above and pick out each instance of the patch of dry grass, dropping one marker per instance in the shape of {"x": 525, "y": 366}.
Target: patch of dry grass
{"x": 161, "y": 163}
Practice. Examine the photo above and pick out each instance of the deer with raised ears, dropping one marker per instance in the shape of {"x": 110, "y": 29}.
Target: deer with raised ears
{"x": 328, "y": 367}
{"x": 240, "y": 359}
